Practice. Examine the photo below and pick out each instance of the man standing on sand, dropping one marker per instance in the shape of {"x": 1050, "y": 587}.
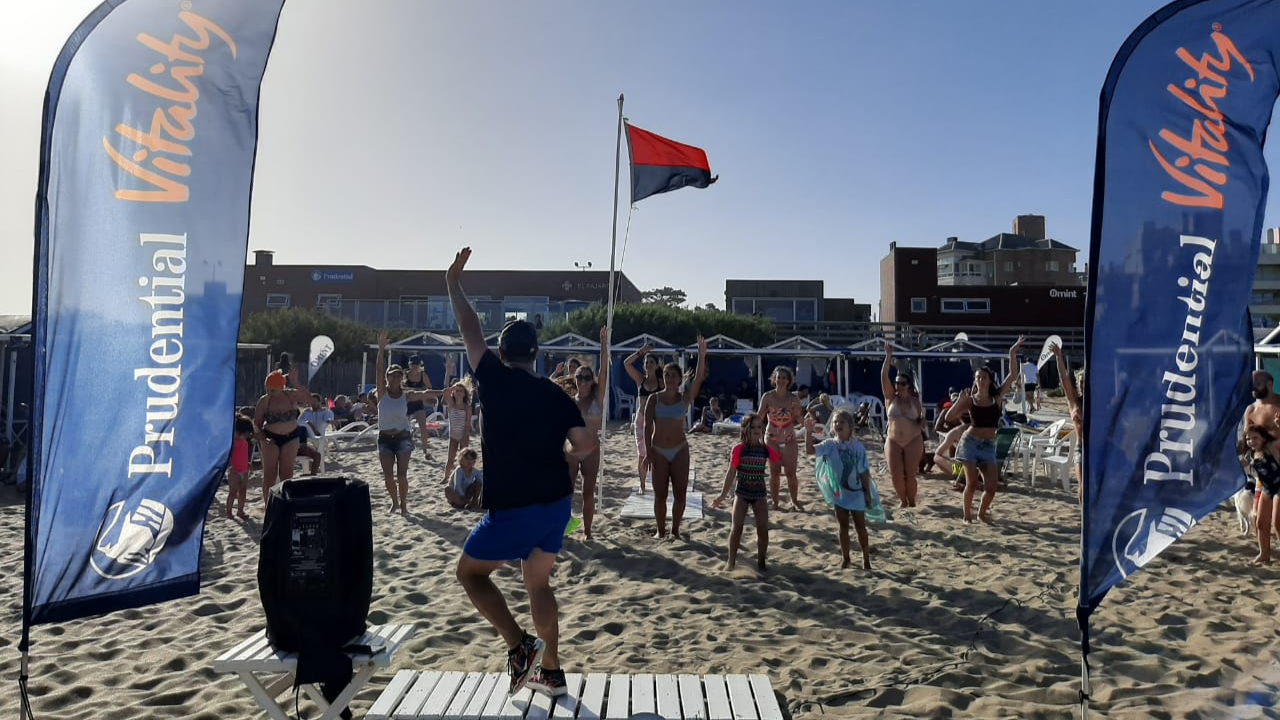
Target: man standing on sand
{"x": 1266, "y": 404}
{"x": 528, "y": 495}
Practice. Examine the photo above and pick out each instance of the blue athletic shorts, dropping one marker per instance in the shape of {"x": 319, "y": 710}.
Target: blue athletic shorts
{"x": 513, "y": 534}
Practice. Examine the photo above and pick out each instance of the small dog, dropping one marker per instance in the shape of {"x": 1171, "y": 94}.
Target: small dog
{"x": 1243, "y": 501}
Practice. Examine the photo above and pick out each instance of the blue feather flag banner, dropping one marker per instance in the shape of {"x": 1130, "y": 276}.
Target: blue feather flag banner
{"x": 142, "y": 217}
{"x": 1178, "y": 200}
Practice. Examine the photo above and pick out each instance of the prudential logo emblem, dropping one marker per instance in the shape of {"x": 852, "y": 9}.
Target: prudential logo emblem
{"x": 129, "y": 541}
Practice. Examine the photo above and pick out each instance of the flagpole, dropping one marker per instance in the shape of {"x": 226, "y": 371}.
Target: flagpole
{"x": 613, "y": 253}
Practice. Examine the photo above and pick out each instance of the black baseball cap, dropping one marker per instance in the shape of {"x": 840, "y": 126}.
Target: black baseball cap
{"x": 518, "y": 340}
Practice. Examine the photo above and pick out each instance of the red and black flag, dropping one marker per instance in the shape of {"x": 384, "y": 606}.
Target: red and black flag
{"x": 660, "y": 165}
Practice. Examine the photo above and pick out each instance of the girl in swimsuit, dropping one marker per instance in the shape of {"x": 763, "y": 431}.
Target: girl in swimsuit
{"x": 646, "y": 384}
{"x": 590, "y": 397}
{"x": 782, "y": 410}
{"x": 667, "y": 443}
{"x": 1264, "y": 456}
{"x": 457, "y": 407}
{"x": 747, "y": 467}
{"x": 977, "y": 450}
{"x": 395, "y": 439}
{"x": 904, "y": 443}
{"x": 275, "y": 423}
{"x": 239, "y": 470}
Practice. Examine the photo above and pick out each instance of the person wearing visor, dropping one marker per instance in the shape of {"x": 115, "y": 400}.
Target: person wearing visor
{"x": 395, "y": 439}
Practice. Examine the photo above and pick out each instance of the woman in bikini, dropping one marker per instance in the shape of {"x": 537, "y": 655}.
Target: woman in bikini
{"x": 590, "y": 397}
{"x": 647, "y": 384}
{"x": 668, "y": 445}
{"x": 395, "y": 440}
{"x": 783, "y": 410}
{"x": 275, "y": 424}
{"x": 977, "y": 450}
{"x": 904, "y": 442}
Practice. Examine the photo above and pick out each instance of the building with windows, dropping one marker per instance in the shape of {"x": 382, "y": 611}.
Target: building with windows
{"x": 788, "y": 302}
{"x": 912, "y": 291}
{"x": 1023, "y": 257}
{"x": 419, "y": 299}
{"x": 1264, "y": 303}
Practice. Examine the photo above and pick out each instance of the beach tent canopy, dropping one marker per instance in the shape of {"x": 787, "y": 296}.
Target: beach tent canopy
{"x": 874, "y": 347}
{"x": 958, "y": 344}
{"x": 569, "y": 341}
{"x": 798, "y": 344}
{"x": 639, "y": 341}
{"x": 724, "y": 342}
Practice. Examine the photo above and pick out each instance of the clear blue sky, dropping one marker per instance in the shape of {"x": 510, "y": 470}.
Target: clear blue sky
{"x": 393, "y": 132}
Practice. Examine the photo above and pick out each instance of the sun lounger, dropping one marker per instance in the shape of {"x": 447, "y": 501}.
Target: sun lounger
{"x": 255, "y": 659}
{"x": 354, "y": 434}
{"x": 414, "y": 695}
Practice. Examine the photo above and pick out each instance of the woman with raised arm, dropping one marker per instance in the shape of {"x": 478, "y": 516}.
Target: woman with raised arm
{"x": 275, "y": 425}
{"x": 647, "y": 384}
{"x": 904, "y": 441}
{"x": 666, "y": 414}
{"x": 1076, "y": 410}
{"x": 395, "y": 439}
{"x": 415, "y": 378}
{"x": 590, "y": 396}
{"x": 977, "y": 450}
{"x": 783, "y": 412}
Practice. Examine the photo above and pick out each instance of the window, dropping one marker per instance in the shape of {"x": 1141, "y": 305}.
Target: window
{"x": 919, "y": 305}
{"x": 277, "y": 300}
{"x": 1008, "y": 266}
{"x": 966, "y": 305}
{"x": 1051, "y": 265}
{"x": 785, "y": 310}
{"x": 973, "y": 269}
{"x": 328, "y": 299}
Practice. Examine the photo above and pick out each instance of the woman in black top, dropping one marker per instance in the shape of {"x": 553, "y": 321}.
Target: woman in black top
{"x": 977, "y": 450}
{"x": 416, "y": 379}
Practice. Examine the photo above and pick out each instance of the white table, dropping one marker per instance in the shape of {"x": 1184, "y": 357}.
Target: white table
{"x": 254, "y": 660}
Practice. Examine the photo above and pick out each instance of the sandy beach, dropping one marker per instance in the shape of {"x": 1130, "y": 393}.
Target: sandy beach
{"x": 954, "y": 620}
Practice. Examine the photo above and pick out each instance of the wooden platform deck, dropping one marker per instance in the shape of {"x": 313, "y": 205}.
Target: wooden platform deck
{"x": 641, "y": 506}
{"x": 414, "y": 695}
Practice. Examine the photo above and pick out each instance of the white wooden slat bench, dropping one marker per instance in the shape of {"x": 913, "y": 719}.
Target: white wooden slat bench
{"x": 434, "y": 695}
{"x": 255, "y": 659}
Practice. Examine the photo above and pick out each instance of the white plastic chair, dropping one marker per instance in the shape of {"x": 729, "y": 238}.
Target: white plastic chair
{"x": 1035, "y": 447}
{"x": 1058, "y": 464}
{"x": 877, "y": 415}
{"x": 624, "y": 403}
{"x": 322, "y": 443}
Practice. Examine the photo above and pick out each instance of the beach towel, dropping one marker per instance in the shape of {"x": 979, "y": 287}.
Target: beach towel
{"x": 832, "y": 458}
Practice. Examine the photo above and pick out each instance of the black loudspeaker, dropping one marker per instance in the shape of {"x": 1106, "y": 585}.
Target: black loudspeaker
{"x": 315, "y": 569}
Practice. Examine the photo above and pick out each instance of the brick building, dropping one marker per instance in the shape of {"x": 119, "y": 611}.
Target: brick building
{"x": 419, "y": 299}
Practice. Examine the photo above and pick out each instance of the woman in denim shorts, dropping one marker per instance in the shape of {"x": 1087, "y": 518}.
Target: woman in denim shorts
{"x": 395, "y": 439}
{"x": 977, "y": 450}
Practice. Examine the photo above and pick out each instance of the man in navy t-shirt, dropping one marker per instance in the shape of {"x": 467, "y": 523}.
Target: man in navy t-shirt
{"x": 528, "y": 494}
